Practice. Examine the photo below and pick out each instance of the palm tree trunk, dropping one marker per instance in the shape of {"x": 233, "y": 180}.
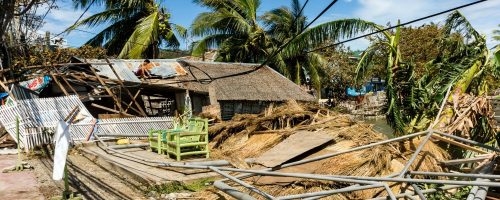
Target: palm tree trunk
{"x": 297, "y": 73}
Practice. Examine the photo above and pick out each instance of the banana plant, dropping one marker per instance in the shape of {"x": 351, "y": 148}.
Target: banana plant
{"x": 462, "y": 63}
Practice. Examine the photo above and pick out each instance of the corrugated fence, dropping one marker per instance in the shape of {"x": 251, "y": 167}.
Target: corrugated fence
{"x": 38, "y": 119}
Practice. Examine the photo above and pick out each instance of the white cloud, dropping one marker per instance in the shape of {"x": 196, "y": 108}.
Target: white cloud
{"x": 62, "y": 17}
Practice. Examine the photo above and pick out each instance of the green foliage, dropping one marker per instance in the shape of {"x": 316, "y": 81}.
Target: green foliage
{"x": 151, "y": 28}
{"x": 233, "y": 27}
{"x": 40, "y": 56}
{"x": 177, "y": 186}
{"x": 339, "y": 72}
{"x": 456, "y": 194}
{"x": 458, "y": 58}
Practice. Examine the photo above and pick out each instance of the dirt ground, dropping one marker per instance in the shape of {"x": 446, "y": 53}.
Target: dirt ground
{"x": 87, "y": 179}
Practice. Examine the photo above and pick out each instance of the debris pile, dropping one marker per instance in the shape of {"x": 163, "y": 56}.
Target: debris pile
{"x": 250, "y": 136}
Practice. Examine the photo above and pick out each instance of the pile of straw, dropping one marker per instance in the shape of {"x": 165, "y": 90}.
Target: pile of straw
{"x": 249, "y": 136}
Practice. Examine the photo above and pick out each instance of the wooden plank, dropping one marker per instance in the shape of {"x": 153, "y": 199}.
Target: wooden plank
{"x": 110, "y": 110}
{"x": 135, "y": 97}
{"x": 462, "y": 161}
{"x": 295, "y": 145}
{"x": 59, "y": 84}
{"x": 70, "y": 87}
{"x": 126, "y": 89}
{"x": 453, "y": 142}
{"x": 115, "y": 99}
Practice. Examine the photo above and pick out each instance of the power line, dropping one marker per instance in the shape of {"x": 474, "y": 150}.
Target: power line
{"x": 83, "y": 13}
{"x": 359, "y": 37}
{"x": 399, "y": 25}
{"x": 295, "y": 36}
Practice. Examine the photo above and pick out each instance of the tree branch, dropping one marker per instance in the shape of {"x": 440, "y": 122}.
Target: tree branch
{"x": 26, "y": 8}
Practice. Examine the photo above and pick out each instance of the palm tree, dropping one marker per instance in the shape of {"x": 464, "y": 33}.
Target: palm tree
{"x": 233, "y": 27}
{"x": 150, "y": 22}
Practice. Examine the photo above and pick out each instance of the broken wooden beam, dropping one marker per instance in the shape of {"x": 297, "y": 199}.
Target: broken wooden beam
{"x": 110, "y": 109}
{"x": 453, "y": 142}
{"x": 116, "y": 100}
{"x": 141, "y": 111}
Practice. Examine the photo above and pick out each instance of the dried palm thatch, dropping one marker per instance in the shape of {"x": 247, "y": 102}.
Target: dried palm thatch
{"x": 473, "y": 118}
{"x": 249, "y": 136}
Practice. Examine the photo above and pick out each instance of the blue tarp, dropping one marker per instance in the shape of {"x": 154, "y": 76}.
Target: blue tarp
{"x": 3, "y": 95}
{"x": 369, "y": 87}
{"x": 354, "y": 93}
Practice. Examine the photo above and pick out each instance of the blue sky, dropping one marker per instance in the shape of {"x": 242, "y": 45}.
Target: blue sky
{"x": 484, "y": 16}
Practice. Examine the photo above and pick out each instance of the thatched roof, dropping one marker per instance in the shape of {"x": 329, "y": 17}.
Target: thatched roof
{"x": 263, "y": 84}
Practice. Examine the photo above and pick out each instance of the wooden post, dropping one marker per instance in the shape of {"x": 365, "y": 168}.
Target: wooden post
{"x": 69, "y": 85}
{"x": 126, "y": 89}
{"x": 135, "y": 97}
{"x": 117, "y": 103}
{"x": 65, "y": 81}
{"x": 59, "y": 84}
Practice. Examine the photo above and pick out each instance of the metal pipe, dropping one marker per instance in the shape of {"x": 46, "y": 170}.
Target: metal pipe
{"x": 329, "y": 192}
{"x": 415, "y": 154}
{"x": 485, "y": 176}
{"x": 124, "y": 135}
{"x": 351, "y": 150}
{"x": 468, "y": 141}
{"x": 301, "y": 175}
{"x": 127, "y": 146}
{"x": 232, "y": 191}
{"x": 417, "y": 189}
{"x": 319, "y": 197}
{"x": 479, "y": 192}
{"x": 408, "y": 180}
{"x": 472, "y": 193}
{"x": 427, "y": 191}
{"x": 462, "y": 161}
{"x": 243, "y": 183}
{"x": 389, "y": 192}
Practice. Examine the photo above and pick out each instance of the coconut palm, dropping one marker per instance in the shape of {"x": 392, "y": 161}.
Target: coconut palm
{"x": 137, "y": 28}
{"x": 233, "y": 27}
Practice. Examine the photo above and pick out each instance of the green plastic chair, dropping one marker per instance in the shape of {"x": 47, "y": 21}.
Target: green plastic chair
{"x": 189, "y": 140}
{"x": 155, "y": 140}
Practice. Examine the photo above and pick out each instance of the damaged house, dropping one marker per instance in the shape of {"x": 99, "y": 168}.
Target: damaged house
{"x": 229, "y": 87}
{"x": 114, "y": 100}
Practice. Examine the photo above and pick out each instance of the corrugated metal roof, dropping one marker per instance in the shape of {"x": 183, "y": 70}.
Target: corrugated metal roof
{"x": 122, "y": 68}
{"x": 125, "y": 68}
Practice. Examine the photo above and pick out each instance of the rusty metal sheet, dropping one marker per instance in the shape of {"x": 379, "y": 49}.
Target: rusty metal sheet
{"x": 295, "y": 145}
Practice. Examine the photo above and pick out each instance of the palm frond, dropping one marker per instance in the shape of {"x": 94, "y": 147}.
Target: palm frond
{"x": 329, "y": 31}
{"x": 145, "y": 33}
{"x": 365, "y": 62}
{"x": 315, "y": 64}
{"x": 181, "y": 30}
{"x": 201, "y": 46}
{"x": 459, "y": 23}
